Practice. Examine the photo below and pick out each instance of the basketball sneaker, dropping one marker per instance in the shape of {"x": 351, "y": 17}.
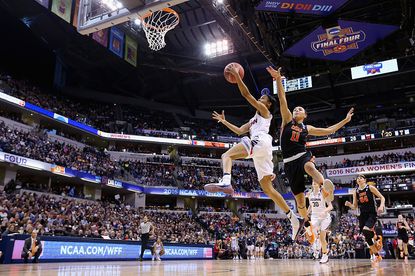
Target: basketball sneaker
{"x": 376, "y": 259}
{"x": 328, "y": 189}
{"x": 379, "y": 243}
{"x": 224, "y": 186}
{"x": 324, "y": 259}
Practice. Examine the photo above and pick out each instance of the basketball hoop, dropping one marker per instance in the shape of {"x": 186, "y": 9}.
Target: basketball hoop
{"x": 157, "y": 24}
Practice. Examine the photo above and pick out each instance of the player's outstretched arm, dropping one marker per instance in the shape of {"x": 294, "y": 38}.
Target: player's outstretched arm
{"x": 260, "y": 107}
{"x": 285, "y": 111}
{"x": 315, "y": 131}
{"x": 221, "y": 119}
{"x": 376, "y": 192}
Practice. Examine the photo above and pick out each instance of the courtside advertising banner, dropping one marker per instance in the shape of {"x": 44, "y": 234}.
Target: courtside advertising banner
{"x": 373, "y": 69}
{"x": 316, "y": 7}
{"x": 340, "y": 42}
{"x": 372, "y": 169}
{"x": 101, "y": 37}
{"x": 116, "y": 41}
{"x": 62, "y": 8}
{"x": 88, "y": 250}
{"x": 130, "y": 51}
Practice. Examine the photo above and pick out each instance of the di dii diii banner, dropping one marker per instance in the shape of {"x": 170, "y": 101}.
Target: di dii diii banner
{"x": 315, "y": 7}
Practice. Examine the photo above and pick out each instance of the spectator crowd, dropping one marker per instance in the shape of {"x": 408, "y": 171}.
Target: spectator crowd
{"x": 127, "y": 119}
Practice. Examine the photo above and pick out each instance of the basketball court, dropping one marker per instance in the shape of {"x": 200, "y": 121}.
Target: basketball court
{"x": 214, "y": 267}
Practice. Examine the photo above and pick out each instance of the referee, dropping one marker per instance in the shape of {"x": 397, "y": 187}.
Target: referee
{"x": 146, "y": 228}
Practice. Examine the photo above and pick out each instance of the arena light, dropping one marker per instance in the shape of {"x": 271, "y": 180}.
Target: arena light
{"x": 219, "y": 48}
{"x": 137, "y": 22}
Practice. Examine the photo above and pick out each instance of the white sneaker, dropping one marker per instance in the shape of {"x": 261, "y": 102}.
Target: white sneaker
{"x": 158, "y": 259}
{"x": 224, "y": 186}
{"x": 324, "y": 259}
{"x": 316, "y": 255}
{"x": 296, "y": 223}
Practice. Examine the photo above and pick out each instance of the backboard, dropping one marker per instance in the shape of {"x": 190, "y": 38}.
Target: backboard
{"x": 95, "y": 15}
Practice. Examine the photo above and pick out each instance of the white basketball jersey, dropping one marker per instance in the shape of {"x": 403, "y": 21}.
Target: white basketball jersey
{"x": 259, "y": 125}
{"x": 317, "y": 203}
{"x": 234, "y": 242}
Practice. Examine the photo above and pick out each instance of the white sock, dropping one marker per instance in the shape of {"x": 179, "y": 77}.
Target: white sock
{"x": 291, "y": 216}
{"x": 227, "y": 179}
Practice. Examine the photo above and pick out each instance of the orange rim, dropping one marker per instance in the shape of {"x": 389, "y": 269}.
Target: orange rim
{"x": 168, "y": 10}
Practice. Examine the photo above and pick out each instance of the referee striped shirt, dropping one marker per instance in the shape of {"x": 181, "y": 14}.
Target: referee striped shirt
{"x": 145, "y": 227}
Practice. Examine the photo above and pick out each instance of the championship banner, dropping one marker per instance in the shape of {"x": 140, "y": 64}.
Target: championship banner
{"x": 101, "y": 37}
{"x": 203, "y": 193}
{"x": 62, "y": 8}
{"x": 130, "y": 51}
{"x": 76, "y": 14}
{"x": 372, "y": 169}
{"x": 340, "y": 42}
{"x": 316, "y": 7}
{"x": 116, "y": 41}
{"x": 44, "y": 3}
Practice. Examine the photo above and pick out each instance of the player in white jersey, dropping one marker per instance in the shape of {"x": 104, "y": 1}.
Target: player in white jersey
{"x": 319, "y": 208}
{"x": 257, "y": 146}
{"x": 234, "y": 246}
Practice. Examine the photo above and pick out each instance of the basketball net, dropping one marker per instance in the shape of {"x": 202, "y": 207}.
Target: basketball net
{"x": 157, "y": 24}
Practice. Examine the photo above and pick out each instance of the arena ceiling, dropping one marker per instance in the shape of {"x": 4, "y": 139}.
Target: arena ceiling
{"x": 182, "y": 74}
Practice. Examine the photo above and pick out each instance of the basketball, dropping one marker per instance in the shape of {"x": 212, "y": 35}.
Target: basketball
{"x": 229, "y": 77}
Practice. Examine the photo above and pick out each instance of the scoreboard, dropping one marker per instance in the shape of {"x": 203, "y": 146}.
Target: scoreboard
{"x": 294, "y": 84}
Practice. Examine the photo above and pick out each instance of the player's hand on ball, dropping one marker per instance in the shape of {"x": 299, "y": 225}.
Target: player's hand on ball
{"x": 276, "y": 74}
{"x": 219, "y": 117}
{"x": 350, "y": 115}
{"x": 232, "y": 69}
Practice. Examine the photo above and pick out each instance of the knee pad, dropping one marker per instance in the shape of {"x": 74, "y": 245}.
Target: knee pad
{"x": 368, "y": 236}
